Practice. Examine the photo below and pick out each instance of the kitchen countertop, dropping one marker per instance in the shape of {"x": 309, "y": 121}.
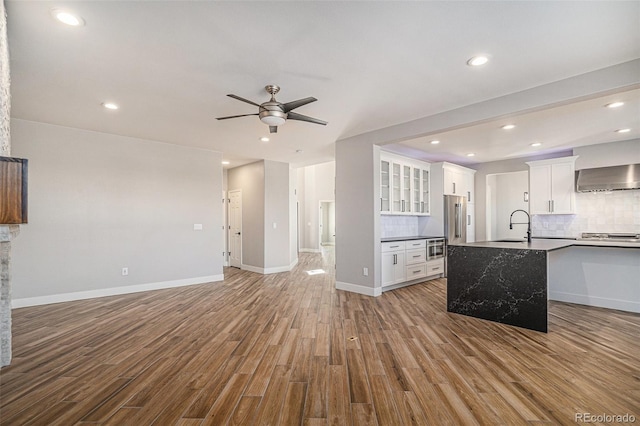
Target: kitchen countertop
{"x": 392, "y": 239}
{"x": 550, "y": 244}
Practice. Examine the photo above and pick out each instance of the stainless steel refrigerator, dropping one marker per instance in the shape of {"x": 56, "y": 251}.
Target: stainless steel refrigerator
{"x": 455, "y": 224}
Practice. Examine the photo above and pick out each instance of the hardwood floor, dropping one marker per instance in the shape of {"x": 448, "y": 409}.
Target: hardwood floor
{"x": 290, "y": 349}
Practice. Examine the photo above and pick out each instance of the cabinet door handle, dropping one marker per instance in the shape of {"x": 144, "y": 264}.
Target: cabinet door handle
{"x": 549, "y": 206}
{"x": 417, "y": 271}
{"x": 469, "y": 196}
{"x": 469, "y": 220}
{"x": 421, "y": 206}
{"x": 395, "y": 259}
{"x": 380, "y": 203}
{"x": 402, "y": 205}
{"x": 435, "y": 269}
{"x": 416, "y": 255}
{"x": 454, "y": 187}
{"x": 553, "y": 206}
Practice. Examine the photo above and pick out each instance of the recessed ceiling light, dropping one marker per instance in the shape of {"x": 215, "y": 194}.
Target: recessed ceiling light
{"x": 67, "y": 17}
{"x": 264, "y": 139}
{"x": 623, "y": 131}
{"x": 225, "y": 163}
{"x": 614, "y": 105}
{"x": 477, "y": 61}
{"x": 110, "y": 105}
{"x": 536, "y": 144}
{"x": 508, "y": 126}
{"x": 471, "y": 154}
{"x": 434, "y": 142}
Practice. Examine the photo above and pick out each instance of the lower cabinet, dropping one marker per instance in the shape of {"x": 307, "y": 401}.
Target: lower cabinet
{"x": 405, "y": 261}
{"x": 393, "y": 263}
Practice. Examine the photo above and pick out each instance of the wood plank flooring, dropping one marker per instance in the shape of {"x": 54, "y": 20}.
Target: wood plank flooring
{"x": 290, "y": 349}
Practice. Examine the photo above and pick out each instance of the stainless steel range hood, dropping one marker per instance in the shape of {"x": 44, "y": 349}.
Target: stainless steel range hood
{"x": 608, "y": 178}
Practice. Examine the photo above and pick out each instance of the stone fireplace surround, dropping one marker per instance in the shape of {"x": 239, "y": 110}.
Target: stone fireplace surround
{"x": 7, "y": 232}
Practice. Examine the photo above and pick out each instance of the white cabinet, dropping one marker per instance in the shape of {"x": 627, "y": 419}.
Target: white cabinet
{"x": 435, "y": 267}
{"x": 406, "y": 261}
{"x": 393, "y": 263}
{"x": 385, "y": 186}
{"x": 404, "y": 186}
{"x": 551, "y": 186}
{"x": 458, "y": 180}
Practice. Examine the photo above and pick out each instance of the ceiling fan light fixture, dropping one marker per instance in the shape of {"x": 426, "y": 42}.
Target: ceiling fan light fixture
{"x": 272, "y": 120}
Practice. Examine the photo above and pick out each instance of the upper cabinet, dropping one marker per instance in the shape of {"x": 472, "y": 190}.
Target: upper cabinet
{"x": 551, "y": 186}
{"x": 459, "y": 180}
{"x": 404, "y": 185}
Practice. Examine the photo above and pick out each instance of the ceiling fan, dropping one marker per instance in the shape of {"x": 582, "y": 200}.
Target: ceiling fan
{"x": 274, "y": 113}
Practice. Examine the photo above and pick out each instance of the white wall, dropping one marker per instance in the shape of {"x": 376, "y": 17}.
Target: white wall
{"x": 509, "y": 192}
{"x": 315, "y": 184}
{"x": 100, "y": 202}
{"x": 498, "y": 167}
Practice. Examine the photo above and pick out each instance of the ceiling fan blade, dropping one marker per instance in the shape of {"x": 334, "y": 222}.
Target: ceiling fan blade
{"x": 273, "y": 129}
{"x": 289, "y": 106}
{"x": 243, "y": 100}
{"x": 234, "y": 116}
{"x": 300, "y": 117}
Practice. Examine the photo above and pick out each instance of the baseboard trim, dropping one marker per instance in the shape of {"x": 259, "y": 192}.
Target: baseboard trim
{"x": 112, "y": 291}
{"x": 361, "y": 289}
{"x": 309, "y": 250}
{"x": 267, "y": 271}
{"x": 601, "y": 302}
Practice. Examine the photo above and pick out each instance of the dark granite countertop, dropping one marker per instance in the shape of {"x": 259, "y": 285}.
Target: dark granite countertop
{"x": 422, "y": 237}
{"x": 549, "y": 244}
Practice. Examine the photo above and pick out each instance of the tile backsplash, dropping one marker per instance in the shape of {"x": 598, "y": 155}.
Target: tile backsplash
{"x": 398, "y": 226}
{"x": 617, "y": 211}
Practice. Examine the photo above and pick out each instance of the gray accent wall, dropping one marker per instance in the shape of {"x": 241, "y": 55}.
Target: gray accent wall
{"x": 357, "y": 216}
{"x": 250, "y": 180}
{"x": 276, "y": 212}
{"x": 101, "y": 202}
{"x": 266, "y": 200}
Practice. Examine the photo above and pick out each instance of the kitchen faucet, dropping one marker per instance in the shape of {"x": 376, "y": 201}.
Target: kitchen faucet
{"x": 528, "y": 223}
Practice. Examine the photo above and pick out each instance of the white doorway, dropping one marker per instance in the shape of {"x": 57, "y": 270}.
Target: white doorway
{"x": 235, "y": 228}
{"x": 327, "y": 234}
{"x": 506, "y": 192}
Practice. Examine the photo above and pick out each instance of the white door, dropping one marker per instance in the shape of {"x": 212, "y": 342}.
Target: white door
{"x": 235, "y": 228}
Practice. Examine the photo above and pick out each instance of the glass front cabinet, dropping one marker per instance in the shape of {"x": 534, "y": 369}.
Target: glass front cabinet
{"x": 404, "y": 186}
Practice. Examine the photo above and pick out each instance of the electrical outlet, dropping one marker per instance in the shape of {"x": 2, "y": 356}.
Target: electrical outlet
{"x": 365, "y": 272}
{"x": 125, "y": 271}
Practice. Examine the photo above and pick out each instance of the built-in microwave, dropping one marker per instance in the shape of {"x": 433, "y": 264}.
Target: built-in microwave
{"x": 435, "y": 248}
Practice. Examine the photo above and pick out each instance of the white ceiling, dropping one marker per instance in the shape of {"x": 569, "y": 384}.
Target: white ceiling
{"x": 169, "y": 65}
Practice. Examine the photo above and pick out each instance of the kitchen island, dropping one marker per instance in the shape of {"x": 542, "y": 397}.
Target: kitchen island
{"x": 511, "y": 282}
